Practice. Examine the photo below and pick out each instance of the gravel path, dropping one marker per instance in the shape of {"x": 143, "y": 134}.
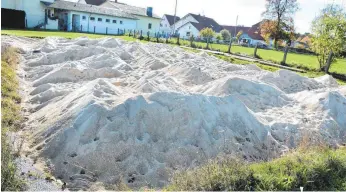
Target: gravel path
{"x": 36, "y": 180}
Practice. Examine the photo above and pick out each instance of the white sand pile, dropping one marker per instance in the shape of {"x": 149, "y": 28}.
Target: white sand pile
{"x": 110, "y": 110}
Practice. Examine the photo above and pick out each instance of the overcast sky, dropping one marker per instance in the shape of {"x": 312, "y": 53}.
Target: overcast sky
{"x": 226, "y": 11}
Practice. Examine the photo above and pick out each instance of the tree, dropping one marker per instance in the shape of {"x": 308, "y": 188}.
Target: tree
{"x": 239, "y": 34}
{"x": 329, "y": 33}
{"x": 207, "y": 34}
{"x": 218, "y": 38}
{"x": 225, "y": 35}
{"x": 280, "y": 13}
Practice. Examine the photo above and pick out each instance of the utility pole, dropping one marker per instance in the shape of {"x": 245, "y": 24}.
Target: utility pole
{"x": 235, "y": 29}
{"x": 175, "y": 14}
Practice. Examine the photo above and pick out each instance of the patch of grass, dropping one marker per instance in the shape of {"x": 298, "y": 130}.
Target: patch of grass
{"x": 10, "y": 119}
{"x": 70, "y": 35}
{"x": 313, "y": 169}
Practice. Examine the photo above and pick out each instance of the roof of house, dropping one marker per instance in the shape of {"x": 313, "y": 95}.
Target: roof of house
{"x": 89, "y": 9}
{"x": 231, "y": 29}
{"x": 95, "y": 2}
{"x": 253, "y": 32}
{"x": 170, "y": 19}
{"x": 204, "y": 22}
{"x": 130, "y": 9}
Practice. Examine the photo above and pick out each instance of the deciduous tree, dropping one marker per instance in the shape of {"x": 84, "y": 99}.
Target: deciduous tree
{"x": 329, "y": 33}
{"x": 239, "y": 34}
{"x": 207, "y": 34}
{"x": 225, "y": 35}
{"x": 280, "y": 13}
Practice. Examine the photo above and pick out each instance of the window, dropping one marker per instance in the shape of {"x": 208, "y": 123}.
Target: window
{"x": 121, "y": 22}
{"x": 107, "y": 20}
{"x": 92, "y": 18}
{"x": 114, "y": 21}
{"x": 188, "y": 34}
{"x": 160, "y": 24}
{"x": 84, "y": 17}
{"x": 99, "y": 19}
{"x": 149, "y": 26}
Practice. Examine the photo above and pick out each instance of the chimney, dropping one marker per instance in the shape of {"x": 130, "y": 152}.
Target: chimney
{"x": 150, "y": 11}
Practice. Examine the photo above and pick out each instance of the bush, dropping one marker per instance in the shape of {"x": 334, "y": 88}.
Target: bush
{"x": 314, "y": 169}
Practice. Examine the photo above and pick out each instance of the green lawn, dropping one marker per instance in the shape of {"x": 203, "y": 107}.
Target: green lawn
{"x": 71, "y": 35}
{"x": 319, "y": 169}
{"x": 308, "y": 62}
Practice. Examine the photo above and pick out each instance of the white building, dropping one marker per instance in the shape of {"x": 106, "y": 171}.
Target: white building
{"x": 77, "y": 15}
{"x": 192, "y": 24}
{"x": 167, "y": 22}
{"x": 147, "y": 21}
{"x": 90, "y": 18}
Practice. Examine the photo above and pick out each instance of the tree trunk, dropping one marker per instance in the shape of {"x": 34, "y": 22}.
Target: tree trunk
{"x": 329, "y": 61}
{"x": 207, "y": 43}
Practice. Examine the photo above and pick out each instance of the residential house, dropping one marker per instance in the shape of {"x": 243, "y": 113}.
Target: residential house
{"x": 167, "y": 22}
{"x": 250, "y": 35}
{"x": 147, "y": 21}
{"x": 192, "y": 24}
{"x": 303, "y": 41}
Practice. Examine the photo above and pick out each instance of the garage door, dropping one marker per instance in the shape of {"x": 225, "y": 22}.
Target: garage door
{"x": 12, "y": 18}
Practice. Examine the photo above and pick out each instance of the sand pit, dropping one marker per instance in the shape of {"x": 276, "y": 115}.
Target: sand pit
{"x": 107, "y": 110}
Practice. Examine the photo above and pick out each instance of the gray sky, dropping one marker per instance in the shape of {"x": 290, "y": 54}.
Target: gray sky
{"x": 226, "y": 11}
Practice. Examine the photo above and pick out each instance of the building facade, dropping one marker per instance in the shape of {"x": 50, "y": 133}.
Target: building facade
{"x": 106, "y": 18}
{"x": 34, "y": 10}
{"x": 147, "y": 21}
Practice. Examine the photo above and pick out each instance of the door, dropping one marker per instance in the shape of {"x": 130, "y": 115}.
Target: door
{"x": 75, "y": 22}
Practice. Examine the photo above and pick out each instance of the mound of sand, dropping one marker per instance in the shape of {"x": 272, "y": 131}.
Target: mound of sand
{"x": 108, "y": 110}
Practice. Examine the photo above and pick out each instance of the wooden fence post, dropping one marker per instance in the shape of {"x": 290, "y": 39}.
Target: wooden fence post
{"x": 124, "y": 31}
{"x": 81, "y": 28}
{"x": 94, "y": 29}
{"x": 255, "y": 52}
{"x": 283, "y": 62}
{"x": 118, "y": 31}
{"x": 329, "y": 61}
{"x": 191, "y": 41}
{"x": 106, "y": 30}
{"x": 229, "y": 46}
{"x": 178, "y": 42}
{"x": 148, "y": 36}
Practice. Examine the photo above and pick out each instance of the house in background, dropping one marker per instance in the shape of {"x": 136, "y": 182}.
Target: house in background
{"x": 302, "y": 42}
{"x": 192, "y": 24}
{"x": 167, "y": 22}
{"x": 147, "y": 21}
{"x": 251, "y": 36}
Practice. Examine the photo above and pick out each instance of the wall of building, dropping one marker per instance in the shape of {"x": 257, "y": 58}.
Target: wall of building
{"x": 183, "y": 21}
{"x": 10, "y": 4}
{"x": 87, "y": 25}
{"x": 164, "y": 26}
{"x": 34, "y": 9}
{"x": 188, "y": 28}
{"x": 143, "y": 23}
